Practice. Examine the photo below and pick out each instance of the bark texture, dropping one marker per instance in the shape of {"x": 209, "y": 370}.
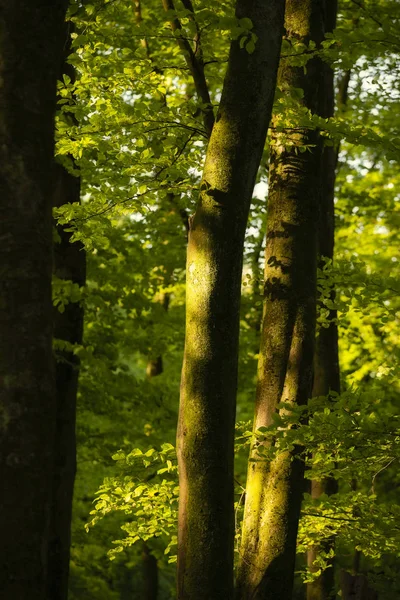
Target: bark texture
{"x": 31, "y": 44}
{"x": 274, "y": 488}
{"x": 214, "y": 269}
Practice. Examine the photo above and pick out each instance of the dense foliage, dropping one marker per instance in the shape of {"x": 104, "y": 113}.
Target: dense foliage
{"x": 133, "y": 124}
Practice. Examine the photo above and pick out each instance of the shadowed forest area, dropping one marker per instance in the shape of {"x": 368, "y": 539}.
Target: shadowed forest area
{"x": 199, "y": 299}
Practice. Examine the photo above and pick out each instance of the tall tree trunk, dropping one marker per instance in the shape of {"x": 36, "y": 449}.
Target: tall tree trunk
{"x": 70, "y": 265}
{"x": 149, "y": 562}
{"x": 326, "y": 354}
{"x": 354, "y": 585}
{"x": 274, "y": 488}
{"x": 150, "y": 574}
{"x": 214, "y": 270}
{"x": 31, "y": 40}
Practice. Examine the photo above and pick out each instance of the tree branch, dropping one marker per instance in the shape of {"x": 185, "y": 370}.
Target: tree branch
{"x": 194, "y": 62}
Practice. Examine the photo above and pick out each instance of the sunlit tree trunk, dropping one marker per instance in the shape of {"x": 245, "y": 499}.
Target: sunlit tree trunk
{"x": 274, "y": 488}
{"x": 214, "y": 271}
{"x": 31, "y": 43}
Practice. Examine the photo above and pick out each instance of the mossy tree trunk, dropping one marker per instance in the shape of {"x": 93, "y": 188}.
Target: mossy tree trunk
{"x": 274, "y": 488}
{"x": 214, "y": 271}
{"x": 326, "y": 355}
{"x": 31, "y": 44}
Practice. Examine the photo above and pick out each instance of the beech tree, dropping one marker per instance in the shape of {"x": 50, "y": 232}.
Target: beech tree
{"x": 31, "y": 53}
{"x": 274, "y": 488}
{"x": 136, "y": 124}
{"x": 326, "y": 373}
{"x": 214, "y": 271}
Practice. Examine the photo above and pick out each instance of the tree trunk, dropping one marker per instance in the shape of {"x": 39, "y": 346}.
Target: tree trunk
{"x": 274, "y": 488}
{"x": 354, "y": 585}
{"x": 31, "y": 51}
{"x": 150, "y": 574}
{"x": 326, "y": 354}
{"x": 149, "y": 562}
{"x": 70, "y": 265}
{"x": 214, "y": 270}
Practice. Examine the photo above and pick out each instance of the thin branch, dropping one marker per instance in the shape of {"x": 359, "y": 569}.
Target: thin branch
{"x": 307, "y": 514}
{"x": 380, "y": 471}
{"x": 173, "y": 199}
{"x": 360, "y": 5}
{"x": 196, "y": 68}
{"x": 198, "y": 51}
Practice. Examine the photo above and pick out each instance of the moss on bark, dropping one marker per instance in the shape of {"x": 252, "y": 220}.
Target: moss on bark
{"x": 214, "y": 269}
{"x": 274, "y": 488}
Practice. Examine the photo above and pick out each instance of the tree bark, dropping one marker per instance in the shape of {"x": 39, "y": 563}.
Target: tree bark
{"x": 214, "y": 270}
{"x": 326, "y": 354}
{"x": 70, "y": 265}
{"x": 31, "y": 51}
{"x": 274, "y": 488}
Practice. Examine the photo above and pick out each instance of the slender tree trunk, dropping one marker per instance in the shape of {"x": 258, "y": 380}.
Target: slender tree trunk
{"x": 150, "y": 574}
{"x": 354, "y": 586}
{"x": 31, "y": 39}
{"x": 326, "y": 355}
{"x": 274, "y": 488}
{"x": 70, "y": 265}
{"x": 214, "y": 270}
{"x": 149, "y": 562}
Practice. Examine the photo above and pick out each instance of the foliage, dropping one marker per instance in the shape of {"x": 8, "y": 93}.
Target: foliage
{"x": 133, "y": 123}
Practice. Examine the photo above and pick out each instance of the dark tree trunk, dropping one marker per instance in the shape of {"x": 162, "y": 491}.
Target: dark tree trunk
{"x": 354, "y": 586}
{"x": 70, "y": 265}
{"x": 274, "y": 488}
{"x": 150, "y": 574}
{"x": 31, "y": 43}
{"x": 149, "y": 561}
{"x": 214, "y": 272}
{"x": 326, "y": 355}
